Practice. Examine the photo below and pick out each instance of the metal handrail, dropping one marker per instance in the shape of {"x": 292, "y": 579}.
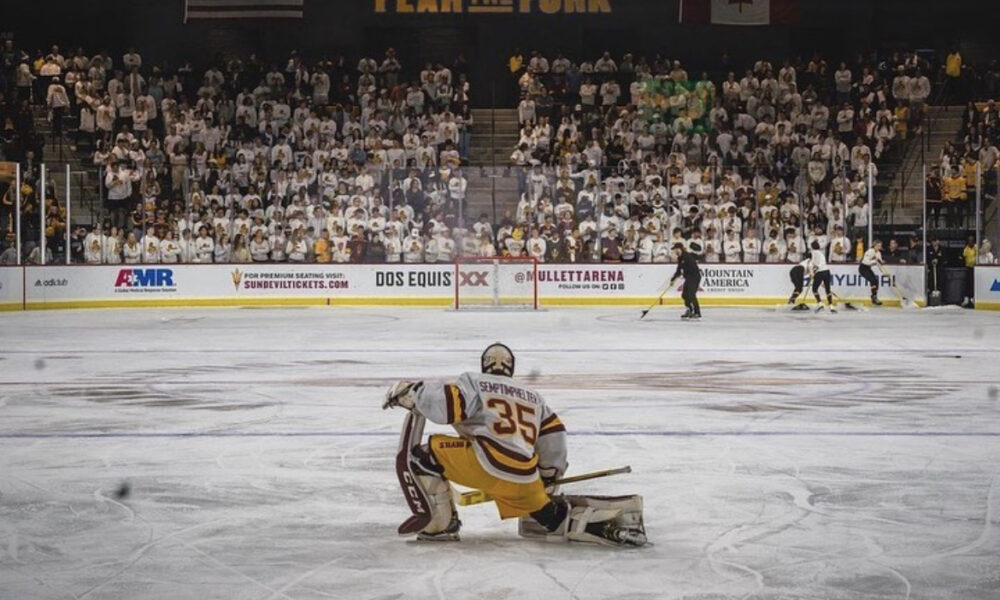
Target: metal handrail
{"x": 907, "y": 171}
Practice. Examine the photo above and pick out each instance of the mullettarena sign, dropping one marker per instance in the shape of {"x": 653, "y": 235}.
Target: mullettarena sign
{"x": 493, "y": 7}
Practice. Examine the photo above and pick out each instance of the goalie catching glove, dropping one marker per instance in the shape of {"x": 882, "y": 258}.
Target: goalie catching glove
{"x": 402, "y": 393}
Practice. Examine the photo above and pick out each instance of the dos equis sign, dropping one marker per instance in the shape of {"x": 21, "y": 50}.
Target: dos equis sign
{"x": 493, "y": 7}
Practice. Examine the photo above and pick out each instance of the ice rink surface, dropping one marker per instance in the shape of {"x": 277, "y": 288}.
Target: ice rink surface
{"x": 781, "y": 455}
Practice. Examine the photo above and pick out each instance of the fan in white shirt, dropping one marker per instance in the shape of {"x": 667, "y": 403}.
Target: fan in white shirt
{"x": 150, "y": 247}
{"x": 731, "y": 247}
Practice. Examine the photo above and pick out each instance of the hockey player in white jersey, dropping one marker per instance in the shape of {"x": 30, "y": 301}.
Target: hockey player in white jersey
{"x": 820, "y": 276}
{"x": 872, "y": 257}
{"x": 510, "y": 445}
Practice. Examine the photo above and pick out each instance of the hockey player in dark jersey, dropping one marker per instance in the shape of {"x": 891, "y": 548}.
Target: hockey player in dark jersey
{"x": 798, "y": 277}
{"x": 687, "y": 268}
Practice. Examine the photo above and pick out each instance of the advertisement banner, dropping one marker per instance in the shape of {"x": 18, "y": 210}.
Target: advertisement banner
{"x": 238, "y": 284}
{"x": 401, "y": 284}
{"x": 988, "y": 288}
{"x": 11, "y": 288}
{"x": 733, "y": 283}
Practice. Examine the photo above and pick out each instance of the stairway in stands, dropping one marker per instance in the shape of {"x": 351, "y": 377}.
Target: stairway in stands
{"x": 492, "y": 185}
{"x": 85, "y": 205}
{"x": 902, "y": 181}
{"x": 488, "y": 148}
{"x": 486, "y": 182}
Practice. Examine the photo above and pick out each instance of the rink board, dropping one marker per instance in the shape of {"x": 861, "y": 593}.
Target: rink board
{"x": 11, "y": 288}
{"x": 988, "y": 288}
{"x": 81, "y": 286}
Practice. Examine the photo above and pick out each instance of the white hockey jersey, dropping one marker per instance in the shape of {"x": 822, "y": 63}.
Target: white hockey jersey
{"x": 871, "y": 257}
{"x": 817, "y": 261}
{"x": 511, "y": 429}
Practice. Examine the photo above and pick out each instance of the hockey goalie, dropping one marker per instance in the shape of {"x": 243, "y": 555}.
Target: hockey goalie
{"x": 511, "y": 445}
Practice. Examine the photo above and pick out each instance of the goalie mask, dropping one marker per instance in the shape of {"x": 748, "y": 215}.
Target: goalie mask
{"x": 497, "y": 359}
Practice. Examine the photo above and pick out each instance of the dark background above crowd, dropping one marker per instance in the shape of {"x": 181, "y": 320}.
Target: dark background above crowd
{"x": 835, "y": 28}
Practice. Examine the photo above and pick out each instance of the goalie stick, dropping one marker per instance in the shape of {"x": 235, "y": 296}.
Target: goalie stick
{"x": 416, "y": 497}
{"x": 479, "y": 496}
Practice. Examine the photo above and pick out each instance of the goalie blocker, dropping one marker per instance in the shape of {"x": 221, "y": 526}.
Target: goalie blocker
{"x": 510, "y": 442}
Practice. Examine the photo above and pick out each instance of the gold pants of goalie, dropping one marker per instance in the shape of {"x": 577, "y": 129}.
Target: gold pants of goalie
{"x": 462, "y": 467}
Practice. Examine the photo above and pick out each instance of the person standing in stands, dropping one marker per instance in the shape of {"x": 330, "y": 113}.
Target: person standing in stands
{"x": 953, "y": 76}
{"x": 969, "y": 254}
{"x": 935, "y": 265}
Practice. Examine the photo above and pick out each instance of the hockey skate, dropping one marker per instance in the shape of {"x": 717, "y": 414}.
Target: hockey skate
{"x": 694, "y": 316}
{"x": 449, "y": 534}
{"x": 617, "y": 534}
{"x": 876, "y": 301}
{"x": 687, "y": 315}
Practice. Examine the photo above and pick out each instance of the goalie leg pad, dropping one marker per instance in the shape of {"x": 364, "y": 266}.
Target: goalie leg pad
{"x": 605, "y": 520}
{"x": 428, "y": 494}
{"x": 413, "y": 491}
{"x": 444, "y": 524}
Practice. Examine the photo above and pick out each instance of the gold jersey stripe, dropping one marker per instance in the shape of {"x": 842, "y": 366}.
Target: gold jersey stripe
{"x": 507, "y": 460}
{"x": 552, "y": 425}
{"x": 455, "y": 404}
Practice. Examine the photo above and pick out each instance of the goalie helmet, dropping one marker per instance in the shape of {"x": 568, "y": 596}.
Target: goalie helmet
{"x": 497, "y": 359}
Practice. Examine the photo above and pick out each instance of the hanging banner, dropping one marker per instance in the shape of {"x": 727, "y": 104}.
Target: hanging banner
{"x": 493, "y": 7}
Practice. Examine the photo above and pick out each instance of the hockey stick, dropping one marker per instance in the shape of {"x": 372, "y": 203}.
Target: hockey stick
{"x": 479, "y": 496}
{"x": 848, "y": 304}
{"x": 808, "y": 301}
{"x": 658, "y": 300}
{"x": 904, "y": 301}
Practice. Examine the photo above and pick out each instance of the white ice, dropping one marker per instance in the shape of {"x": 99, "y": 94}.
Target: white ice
{"x": 780, "y": 455}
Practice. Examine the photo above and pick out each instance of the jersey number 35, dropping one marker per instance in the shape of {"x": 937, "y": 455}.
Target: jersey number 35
{"x": 517, "y": 419}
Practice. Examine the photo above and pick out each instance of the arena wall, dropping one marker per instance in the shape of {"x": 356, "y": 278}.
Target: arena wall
{"x": 81, "y": 286}
{"x": 11, "y": 288}
{"x": 988, "y": 288}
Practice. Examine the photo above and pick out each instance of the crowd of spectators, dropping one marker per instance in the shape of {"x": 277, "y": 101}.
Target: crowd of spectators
{"x": 327, "y": 160}
{"x": 22, "y": 143}
{"x": 967, "y": 166}
{"x": 337, "y": 161}
{"x": 969, "y": 163}
{"x": 634, "y": 154}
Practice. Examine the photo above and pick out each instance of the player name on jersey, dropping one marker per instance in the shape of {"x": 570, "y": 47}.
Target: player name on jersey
{"x": 493, "y": 387}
